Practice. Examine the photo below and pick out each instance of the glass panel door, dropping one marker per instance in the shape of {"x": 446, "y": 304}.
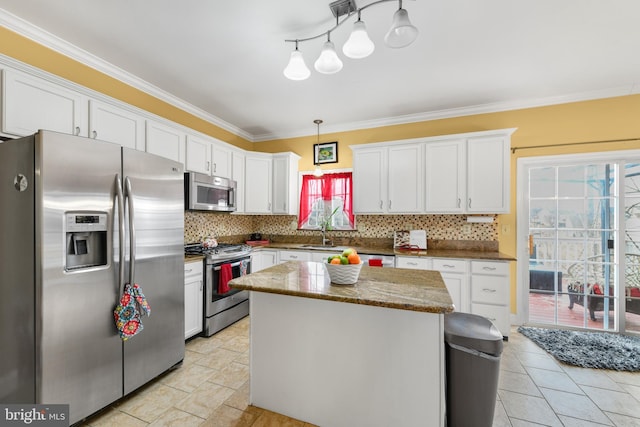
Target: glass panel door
{"x": 631, "y": 299}
{"x": 572, "y": 267}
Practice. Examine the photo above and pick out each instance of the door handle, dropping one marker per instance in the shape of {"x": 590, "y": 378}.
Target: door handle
{"x": 120, "y": 201}
{"x": 132, "y": 231}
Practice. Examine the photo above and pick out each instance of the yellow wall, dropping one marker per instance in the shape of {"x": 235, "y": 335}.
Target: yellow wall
{"x": 604, "y": 119}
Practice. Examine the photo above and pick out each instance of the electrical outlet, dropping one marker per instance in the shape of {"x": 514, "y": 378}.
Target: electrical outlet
{"x": 506, "y": 228}
{"x": 466, "y": 229}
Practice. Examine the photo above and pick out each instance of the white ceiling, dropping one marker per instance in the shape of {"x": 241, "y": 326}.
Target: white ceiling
{"x": 226, "y": 58}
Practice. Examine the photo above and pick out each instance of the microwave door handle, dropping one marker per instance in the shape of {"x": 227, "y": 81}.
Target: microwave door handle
{"x": 132, "y": 231}
{"x": 120, "y": 202}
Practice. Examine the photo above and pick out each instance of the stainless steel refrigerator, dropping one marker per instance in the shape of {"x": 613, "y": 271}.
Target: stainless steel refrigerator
{"x": 78, "y": 218}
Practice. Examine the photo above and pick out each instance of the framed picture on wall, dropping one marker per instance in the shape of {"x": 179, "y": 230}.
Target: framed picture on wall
{"x": 326, "y": 152}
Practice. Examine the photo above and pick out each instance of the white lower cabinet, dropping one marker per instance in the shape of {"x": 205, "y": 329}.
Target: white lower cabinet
{"x": 478, "y": 287}
{"x": 284, "y": 256}
{"x": 263, "y": 258}
{"x": 490, "y": 293}
{"x": 193, "y": 297}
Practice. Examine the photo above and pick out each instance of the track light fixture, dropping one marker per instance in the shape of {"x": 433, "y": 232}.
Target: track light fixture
{"x": 402, "y": 33}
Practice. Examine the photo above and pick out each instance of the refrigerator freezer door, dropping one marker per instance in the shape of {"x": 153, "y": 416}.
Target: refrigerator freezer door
{"x": 77, "y": 345}
{"x": 158, "y": 204}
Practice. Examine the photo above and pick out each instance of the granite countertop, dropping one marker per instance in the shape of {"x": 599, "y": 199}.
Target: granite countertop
{"x": 398, "y": 288}
{"x": 193, "y": 258}
{"x": 434, "y": 253}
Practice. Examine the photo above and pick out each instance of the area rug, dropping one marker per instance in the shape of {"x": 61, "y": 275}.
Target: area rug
{"x": 600, "y": 350}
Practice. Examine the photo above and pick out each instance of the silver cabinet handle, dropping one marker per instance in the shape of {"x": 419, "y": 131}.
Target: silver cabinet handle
{"x": 189, "y": 270}
{"x": 489, "y": 268}
{"x": 215, "y": 167}
{"x": 469, "y": 203}
{"x": 491, "y": 291}
{"x": 294, "y": 256}
{"x": 412, "y": 263}
{"x": 448, "y": 266}
{"x": 389, "y": 204}
{"x": 77, "y": 130}
{"x": 269, "y": 206}
{"x": 94, "y": 134}
{"x": 200, "y": 284}
{"x": 381, "y": 204}
{"x": 459, "y": 201}
{"x": 208, "y": 166}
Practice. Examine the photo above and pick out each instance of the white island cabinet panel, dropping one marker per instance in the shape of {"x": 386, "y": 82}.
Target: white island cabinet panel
{"x": 343, "y": 365}
{"x": 193, "y": 297}
{"x": 31, "y": 103}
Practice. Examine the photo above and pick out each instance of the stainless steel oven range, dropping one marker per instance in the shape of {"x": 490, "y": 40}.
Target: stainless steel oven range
{"x": 221, "y": 308}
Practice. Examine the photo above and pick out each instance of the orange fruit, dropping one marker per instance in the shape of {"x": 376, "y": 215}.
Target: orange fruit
{"x": 354, "y": 258}
{"x": 336, "y": 260}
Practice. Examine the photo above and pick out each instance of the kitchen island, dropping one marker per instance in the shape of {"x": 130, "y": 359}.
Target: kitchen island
{"x": 369, "y": 354}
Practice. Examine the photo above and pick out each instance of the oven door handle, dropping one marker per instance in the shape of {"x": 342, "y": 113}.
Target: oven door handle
{"x": 235, "y": 264}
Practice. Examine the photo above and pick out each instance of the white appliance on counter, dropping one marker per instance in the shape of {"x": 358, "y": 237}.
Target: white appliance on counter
{"x": 411, "y": 239}
{"x": 378, "y": 260}
{"x": 81, "y": 218}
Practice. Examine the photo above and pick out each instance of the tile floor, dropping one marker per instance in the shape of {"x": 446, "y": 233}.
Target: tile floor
{"x": 211, "y": 389}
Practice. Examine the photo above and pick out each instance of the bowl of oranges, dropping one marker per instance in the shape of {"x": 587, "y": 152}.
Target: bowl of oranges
{"x": 344, "y": 268}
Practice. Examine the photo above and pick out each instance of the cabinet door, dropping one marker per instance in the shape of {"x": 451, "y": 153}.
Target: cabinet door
{"x": 262, "y": 259}
{"x": 456, "y": 284}
{"x": 369, "y": 181}
{"x": 221, "y": 161}
{"x": 280, "y": 185}
{"x": 257, "y": 194}
{"x": 414, "y": 263}
{"x": 237, "y": 174}
{"x": 193, "y": 298}
{"x": 110, "y": 123}
{"x": 165, "y": 141}
{"x": 31, "y": 103}
{"x": 198, "y": 155}
{"x": 488, "y": 175}
{"x": 406, "y": 189}
{"x": 445, "y": 176}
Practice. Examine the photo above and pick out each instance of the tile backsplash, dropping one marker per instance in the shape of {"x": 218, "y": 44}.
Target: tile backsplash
{"x": 438, "y": 227}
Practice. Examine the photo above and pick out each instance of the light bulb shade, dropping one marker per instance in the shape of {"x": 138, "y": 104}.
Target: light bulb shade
{"x": 318, "y": 172}
{"x": 359, "y": 45}
{"x": 328, "y": 61}
{"x": 296, "y": 68}
{"x": 402, "y": 33}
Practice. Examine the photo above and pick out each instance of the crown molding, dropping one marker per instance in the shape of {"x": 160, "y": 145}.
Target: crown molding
{"x": 40, "y": 36}
{"x": 461, "y": 112}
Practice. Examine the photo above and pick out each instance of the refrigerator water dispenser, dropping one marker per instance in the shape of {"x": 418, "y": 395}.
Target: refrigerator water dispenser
{"x": 86, "y": 240}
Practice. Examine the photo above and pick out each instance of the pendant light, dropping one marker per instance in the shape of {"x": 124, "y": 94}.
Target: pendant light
{"x": 359, "y": 45}
{"x": 328, "y": 61}
{"x": 401, "y": 33}
{"x": 317, "y": 172}
{"x": 296, "y": 68}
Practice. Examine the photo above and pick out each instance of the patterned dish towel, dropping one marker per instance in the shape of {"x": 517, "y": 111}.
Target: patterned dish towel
{"x": 127, "y": 313}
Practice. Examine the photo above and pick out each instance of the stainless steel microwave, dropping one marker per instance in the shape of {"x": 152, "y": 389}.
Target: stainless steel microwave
{"x": 209, "y": 193}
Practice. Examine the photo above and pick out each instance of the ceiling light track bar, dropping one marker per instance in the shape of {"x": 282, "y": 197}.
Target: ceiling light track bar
{"x": 339, "y": 23}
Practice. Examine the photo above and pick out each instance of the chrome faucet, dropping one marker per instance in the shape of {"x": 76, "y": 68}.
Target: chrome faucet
{"x": 323, "y": 230}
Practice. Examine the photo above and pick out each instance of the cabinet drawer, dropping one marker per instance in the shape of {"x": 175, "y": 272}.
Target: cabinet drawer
{"x": 193, "y": 269}
{"x": 498, "y": 315}
{"x": 294, "y": 256}
{"x": 486, "y": 289}
{"x": 450, "y": 265}
{"x": 490, "y": 267}
{"x": 414, "y": 263}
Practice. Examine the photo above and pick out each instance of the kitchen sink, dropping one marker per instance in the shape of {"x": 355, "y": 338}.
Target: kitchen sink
{"x": 325, "y": 247}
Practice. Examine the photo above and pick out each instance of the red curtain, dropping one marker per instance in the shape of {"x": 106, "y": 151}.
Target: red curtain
{"x": 325, "y": 187}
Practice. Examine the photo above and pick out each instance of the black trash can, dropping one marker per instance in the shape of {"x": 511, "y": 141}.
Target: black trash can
{"x": 473, "y": 348}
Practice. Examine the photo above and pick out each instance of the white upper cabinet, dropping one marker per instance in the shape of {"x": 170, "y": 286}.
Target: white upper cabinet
{"x": 488, "y": 174}
{"x": 257, "y": 195}
{"x": 220, "y": 161}
{"x": 285, "y": 184}
{"x": 237, "y": 174}
{"x": 205, "y": 156}
{"x": 166, "y": 141}
{"x": 388, "y": 179}
{"x": 31, "y": 103}
{"x": 406, "y": 179}
{"x": 114, "y": 124}
{"x": 468, "y": 175}
{"x": 445, "y": 177}
{"x": 369, "y": 179}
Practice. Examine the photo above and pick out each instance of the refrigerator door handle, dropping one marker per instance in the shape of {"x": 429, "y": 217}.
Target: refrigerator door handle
{"x": 120, "y": 201}
{"x": 132, "y": 231}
